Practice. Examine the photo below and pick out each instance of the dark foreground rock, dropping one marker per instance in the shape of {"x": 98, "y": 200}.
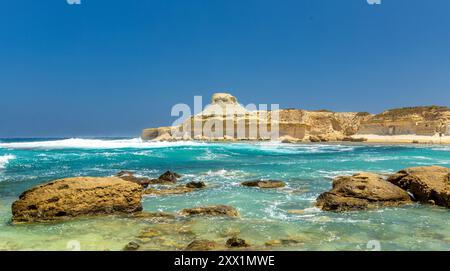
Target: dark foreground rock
{"x": 264, "y": 184}
{"x": 167, "y": 177}
{"x": 131, "y": 246}
{"x": 235, "y": 242}
{"x": 214, "y": 210}
{"x": 426, "y": 184}
{"x": 361, "y": 191}
{"x": 196, "y": 185}
{"x": 72, "y": 197}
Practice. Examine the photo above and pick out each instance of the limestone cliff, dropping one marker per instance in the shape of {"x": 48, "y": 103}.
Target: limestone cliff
{"x": 296, "y": 125}
{"x": 424, "y": 120}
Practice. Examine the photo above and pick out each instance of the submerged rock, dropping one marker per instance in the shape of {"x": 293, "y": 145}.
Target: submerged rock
{"x": 132, "y": 246}
{"x": 168, "y": 191}
{"x": 236, "y": 242}
{"x": 153, "y": 215}
{"x": 214, "y": 210}
{"x": 426, "y": 184}
{"x": 196, "y": 185}
{"x": 283, "y": 242}
{"x": 203, "y": 245}
{"x": 361, "y": 191}
{"x": 72, "y": 197}
{"x": 264, "y": 184}
{"x": 149, "y": 233}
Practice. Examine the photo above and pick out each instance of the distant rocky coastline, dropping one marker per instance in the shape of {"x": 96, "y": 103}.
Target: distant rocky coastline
{"x": 426, "y": 125}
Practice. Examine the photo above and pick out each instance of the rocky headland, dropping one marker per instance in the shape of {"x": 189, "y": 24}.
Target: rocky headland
{"x": 426, "y": 124}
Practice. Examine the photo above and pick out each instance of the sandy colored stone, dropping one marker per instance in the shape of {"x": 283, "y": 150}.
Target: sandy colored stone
{"x": 426, "y": 184}
{"x": 72, "y": 197}
{"x": 423, "y": 124}
{"x": 361, "y": 191}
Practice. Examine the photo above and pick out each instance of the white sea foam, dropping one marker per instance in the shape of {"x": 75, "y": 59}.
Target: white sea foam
{"x": 277, "y": 147}
{"x": 79, "y": 143}
{"x": 4, "y": 160}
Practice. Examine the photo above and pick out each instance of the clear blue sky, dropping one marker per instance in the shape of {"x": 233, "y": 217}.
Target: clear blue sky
{"x": 113, "y": 67}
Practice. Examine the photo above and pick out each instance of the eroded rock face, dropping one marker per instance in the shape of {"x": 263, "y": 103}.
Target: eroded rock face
{"x": 225, "y": 98}
{"x": 421, "y": 120}
{"x": 72, "y": 197}
{"x": 214, "y": 210}
{"x": 361, "y": 191}
{"x": 427, "y": 184}
{"x": 264, "y": 184}
{"x": 294, "y": 125}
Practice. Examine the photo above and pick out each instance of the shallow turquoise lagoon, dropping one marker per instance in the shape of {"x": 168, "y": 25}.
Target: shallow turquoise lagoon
{"x": 307, "y": 169}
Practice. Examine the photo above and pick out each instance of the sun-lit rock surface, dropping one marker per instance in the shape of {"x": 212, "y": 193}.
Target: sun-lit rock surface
{"x": 79, "y": 196}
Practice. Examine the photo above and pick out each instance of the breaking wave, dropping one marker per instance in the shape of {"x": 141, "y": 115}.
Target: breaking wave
{"x": 79, "y": 143}
{"x": 4, "y": 160}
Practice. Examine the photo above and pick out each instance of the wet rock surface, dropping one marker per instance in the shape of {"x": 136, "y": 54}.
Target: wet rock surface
{"x": 214, "y": 210}
{"x": 361, "y": 191}
{"x": 264, "y": 183}
{"x": 196, "y": 185}
{"x": 169, "y": 177}
{"x": 235, "y": 242}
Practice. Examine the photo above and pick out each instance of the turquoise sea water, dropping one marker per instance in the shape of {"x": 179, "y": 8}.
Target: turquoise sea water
{"x": 306, "y": 168}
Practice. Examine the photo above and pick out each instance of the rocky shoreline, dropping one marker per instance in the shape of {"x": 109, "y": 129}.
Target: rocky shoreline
{"x": 122, "y": 194}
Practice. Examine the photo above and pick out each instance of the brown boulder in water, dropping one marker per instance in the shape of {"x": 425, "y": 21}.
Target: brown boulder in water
{"x": 167, "y": 177}
{"x": 72, "y": 197}
{"x": 264, "y": 184}
{"x": 214, "y": 210}
{"x": 196, "y": 185}
{"x": 426, "y": 184}
{"x": 170, "y": 176}
{"x": 361, "y": 191}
